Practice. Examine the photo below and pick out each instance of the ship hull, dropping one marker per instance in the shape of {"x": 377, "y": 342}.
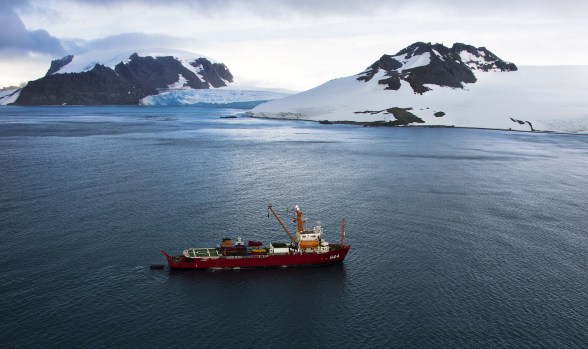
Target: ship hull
{"x": 336, "y": 255}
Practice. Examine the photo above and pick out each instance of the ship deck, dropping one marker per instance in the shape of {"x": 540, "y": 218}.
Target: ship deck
{"x": 201, "y": 252}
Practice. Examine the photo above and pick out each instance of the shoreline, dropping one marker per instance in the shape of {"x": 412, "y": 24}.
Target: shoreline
{"x": 385, "y": 124}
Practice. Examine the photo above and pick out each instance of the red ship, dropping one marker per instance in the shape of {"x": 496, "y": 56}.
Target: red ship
{"x": 306, "y": 248}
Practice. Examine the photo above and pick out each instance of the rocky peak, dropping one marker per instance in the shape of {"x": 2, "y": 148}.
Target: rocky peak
{"x": 57, "y": 64}
{"x": 424, "y": 63}
{"x": 153, "y": 73}
{"x": 481, "y": 58}
{"x": 216, "y": 74}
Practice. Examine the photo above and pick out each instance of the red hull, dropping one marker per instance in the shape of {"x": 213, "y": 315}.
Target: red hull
{"x": 336, "y": 255}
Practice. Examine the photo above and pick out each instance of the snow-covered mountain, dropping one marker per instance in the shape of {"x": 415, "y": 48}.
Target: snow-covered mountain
{"x": 461, "y": 86}
{"x": 108, "y": 77}
{"x": 9, "y": 95}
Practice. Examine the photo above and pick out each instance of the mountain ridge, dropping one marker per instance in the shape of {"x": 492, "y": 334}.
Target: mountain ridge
{"x": 485, "y": 92}
{"x": 424, "y": 63}
{"x": 121, "y": 79}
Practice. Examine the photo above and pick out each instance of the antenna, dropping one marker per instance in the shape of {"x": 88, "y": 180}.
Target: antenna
{"x": 343, "y": 232}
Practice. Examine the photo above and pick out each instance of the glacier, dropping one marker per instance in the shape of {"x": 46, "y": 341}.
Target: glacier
{"x": 219, "y": 97}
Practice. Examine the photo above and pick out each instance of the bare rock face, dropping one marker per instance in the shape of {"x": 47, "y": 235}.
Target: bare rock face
{"x": 482, "y": 59}
{"x": 214, "y": 73}
{"x": 58, "y": 64}
{"x": 424, "y": 63}
{"x": 127, "y": 83}
{"x": 98, "y": 86}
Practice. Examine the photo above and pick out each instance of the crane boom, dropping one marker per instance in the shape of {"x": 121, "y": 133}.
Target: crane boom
{"x": 269, "y": 207}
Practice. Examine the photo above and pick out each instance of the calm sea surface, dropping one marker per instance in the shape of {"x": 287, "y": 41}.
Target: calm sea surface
{"x": 460, "y": 238}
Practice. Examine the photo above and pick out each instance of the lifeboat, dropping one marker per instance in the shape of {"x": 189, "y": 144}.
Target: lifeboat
{"x": 308, "y": 244}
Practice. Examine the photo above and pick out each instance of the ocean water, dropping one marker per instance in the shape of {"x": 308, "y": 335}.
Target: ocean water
{"x": 461, "y": 238}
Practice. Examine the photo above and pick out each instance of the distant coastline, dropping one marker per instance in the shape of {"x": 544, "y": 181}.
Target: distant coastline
{"x": 386, "y": 124}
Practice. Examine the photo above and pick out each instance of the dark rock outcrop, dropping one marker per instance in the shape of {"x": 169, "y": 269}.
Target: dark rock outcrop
{"x": 215, "y": 73}
{"x": 98, "y": 86}
{"x": 403, "y": 116}
{"x": 522, "y": 122}
{"x": 153, "y": 73}
{"x": 57, "y": 64}
{"x": 482, "y": 59}
{"x": 424, "y": 63}
{"x": 127, "y": 83}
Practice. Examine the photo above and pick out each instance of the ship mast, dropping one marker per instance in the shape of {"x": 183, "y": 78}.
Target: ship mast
{"x": 343, "y": 232}
{"x": 269, "y": 207}
{"x": 299, "y": 221}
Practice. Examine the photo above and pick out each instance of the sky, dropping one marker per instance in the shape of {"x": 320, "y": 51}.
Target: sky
{"x": 289, "y": 44}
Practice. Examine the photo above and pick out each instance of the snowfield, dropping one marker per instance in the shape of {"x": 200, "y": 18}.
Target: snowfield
{"x": 552, "y": 98}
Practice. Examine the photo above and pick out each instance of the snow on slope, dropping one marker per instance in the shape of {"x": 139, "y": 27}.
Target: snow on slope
{"x": 551, "y": 98}
{"x": 182, "y": 83}
{"x": 177, "y": 93}
{"x": 9, "y": 96}
{"x": 110, "y": 58}
{"x": 414, "y": 61}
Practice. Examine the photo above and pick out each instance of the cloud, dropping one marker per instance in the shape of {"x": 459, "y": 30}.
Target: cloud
{"x": 15, "y": 37}
{"x": 25, "y": 54}
{"x": 296, "y": 42}
{"x": 354, "y": 8}
{"x": 124, "y": 41}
